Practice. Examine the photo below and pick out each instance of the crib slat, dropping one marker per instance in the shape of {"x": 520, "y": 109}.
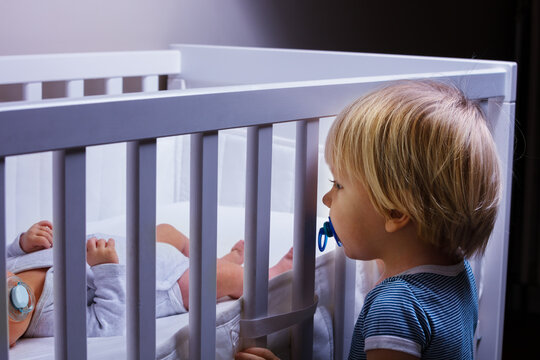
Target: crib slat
{"x": 150, "y": 83}
{"x": 69, "y": 215}
{"x": 257, "y": 231}
{"x": 113, "y": 86}
{"x": 203, "y": 246}
{"x": 75, "y": 88}
{"x": 141, "y": 250}
{"x": 344, "y": 300}
{"x": 32, "y": 91}
{"x": 305, "y": 217}
{"x": 4, "y": 345}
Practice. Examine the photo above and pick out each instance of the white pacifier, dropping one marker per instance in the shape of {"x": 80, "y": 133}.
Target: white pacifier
{"x": 20, "y": 298}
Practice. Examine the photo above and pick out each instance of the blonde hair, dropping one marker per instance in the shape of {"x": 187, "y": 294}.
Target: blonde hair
{"x": 424, "y": 149}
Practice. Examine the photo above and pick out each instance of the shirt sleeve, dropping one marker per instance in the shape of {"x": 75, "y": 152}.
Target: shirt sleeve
{"x": 106, "y": 312}
{"x": 14, "y": 249}
{"x": 396, "y": 321}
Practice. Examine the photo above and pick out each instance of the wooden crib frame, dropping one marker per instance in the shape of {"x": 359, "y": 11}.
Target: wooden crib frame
{"x": 220, "y": 88}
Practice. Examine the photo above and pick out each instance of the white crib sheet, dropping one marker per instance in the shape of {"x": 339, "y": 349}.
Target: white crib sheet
{"x": 114, "y": 347}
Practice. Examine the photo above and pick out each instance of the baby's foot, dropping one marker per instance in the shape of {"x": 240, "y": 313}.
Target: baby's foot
{"x": 285, "y": 264}
{"x": 236, "y": 255}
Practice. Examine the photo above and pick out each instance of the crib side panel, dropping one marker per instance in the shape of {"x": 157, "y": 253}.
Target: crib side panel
{"x": 69, "y": 189}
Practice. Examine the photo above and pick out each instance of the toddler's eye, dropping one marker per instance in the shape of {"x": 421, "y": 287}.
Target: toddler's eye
{"x": 336, "y": 184}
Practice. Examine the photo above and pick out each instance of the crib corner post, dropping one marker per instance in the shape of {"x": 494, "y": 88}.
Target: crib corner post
{"x": 492, "y": 289}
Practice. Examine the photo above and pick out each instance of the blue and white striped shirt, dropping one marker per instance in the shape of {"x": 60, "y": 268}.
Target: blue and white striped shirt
{"x": 429, "y": 311}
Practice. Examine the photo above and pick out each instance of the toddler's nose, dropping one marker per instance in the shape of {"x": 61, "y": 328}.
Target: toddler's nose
{"x": 327, "y": 199}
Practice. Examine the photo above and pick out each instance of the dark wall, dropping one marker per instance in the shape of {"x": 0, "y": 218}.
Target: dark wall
{"x": 495, "y": 29}
{"x": 470, "y": 29}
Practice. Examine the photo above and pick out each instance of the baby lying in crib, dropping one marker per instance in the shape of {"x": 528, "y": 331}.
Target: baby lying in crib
{"x": 30, "y": 260}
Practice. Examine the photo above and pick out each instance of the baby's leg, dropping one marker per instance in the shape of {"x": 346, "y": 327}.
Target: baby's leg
{"x": 283, "y": 265}
{"x": 229, "y": 278}
{"x": 168, "y": 234}
{"x": 230, "y": 275}
{"x": 236, "y": 255}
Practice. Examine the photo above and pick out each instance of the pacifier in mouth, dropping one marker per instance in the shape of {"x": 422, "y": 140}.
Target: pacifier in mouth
{"x": 327, "y": 230}
{"x": 21, "y": 300}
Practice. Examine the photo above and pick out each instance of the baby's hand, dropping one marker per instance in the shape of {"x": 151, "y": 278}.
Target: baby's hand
{"x": 38, "y": 237}
{"x": 100, "y": 251}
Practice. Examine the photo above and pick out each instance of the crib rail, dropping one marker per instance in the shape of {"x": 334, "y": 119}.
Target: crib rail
{"x": 38, "y": 126}
{"x": 103, "y": 120}
{"x": 32, "y": 70}
{"x": 211, "y": 66}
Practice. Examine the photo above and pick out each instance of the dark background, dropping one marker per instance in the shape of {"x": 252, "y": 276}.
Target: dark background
{"x": 496, "y": 29}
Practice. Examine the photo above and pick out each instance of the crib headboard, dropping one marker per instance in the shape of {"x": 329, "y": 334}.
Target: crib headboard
{"x": 220, "y": 88}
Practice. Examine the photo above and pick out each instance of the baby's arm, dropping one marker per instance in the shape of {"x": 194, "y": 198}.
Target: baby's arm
{"x": 106, "y": 312}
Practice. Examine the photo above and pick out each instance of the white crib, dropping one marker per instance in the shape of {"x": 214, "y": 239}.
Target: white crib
{"x": 212, "y": 88}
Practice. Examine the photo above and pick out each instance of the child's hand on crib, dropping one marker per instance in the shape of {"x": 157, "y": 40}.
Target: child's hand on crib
{"x": 38, "y": 237}
{"x": 255, "y": 353}
{"x": 100, "y": 251}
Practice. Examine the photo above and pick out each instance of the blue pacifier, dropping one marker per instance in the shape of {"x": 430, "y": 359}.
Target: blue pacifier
{"x": 328, "y": 231}
{"x": 21, "y": 299}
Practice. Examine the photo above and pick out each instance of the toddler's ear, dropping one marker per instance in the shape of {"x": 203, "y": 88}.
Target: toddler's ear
{"x": 396, "y": 221}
